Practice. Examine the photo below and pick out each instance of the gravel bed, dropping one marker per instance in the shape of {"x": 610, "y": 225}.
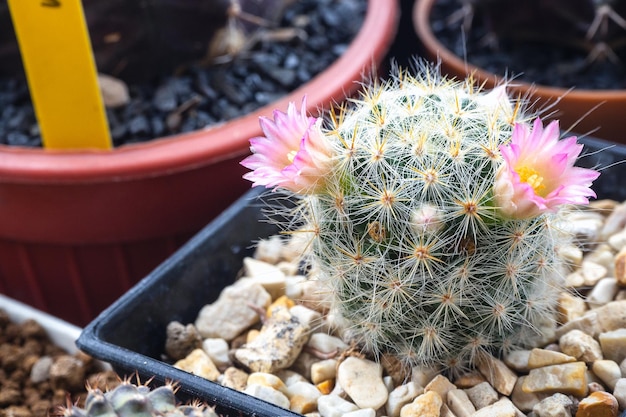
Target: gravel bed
{"x": 37, "y": 376}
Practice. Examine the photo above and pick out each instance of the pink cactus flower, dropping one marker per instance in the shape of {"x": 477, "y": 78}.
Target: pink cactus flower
{"x": 538, "y": 174}
{"x": 294, "y": 154}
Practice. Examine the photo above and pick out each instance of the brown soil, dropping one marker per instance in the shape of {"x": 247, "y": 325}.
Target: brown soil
{"x": 37, "y": 377}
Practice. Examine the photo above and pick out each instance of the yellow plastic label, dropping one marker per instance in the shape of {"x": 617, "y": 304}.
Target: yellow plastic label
{"x": 61, "y": 72}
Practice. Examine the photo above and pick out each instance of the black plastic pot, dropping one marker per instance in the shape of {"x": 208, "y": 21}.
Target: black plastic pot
{"x": 130, "y": 334}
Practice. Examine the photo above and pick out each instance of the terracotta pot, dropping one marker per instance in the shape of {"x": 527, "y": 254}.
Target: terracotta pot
{"x": 77, "y": 229}
{"x": 605, "y": 122}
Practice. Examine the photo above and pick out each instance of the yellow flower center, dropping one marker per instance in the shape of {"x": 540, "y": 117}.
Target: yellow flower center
{"x": 532, "y": 178}
{"x": 291, "y": 155}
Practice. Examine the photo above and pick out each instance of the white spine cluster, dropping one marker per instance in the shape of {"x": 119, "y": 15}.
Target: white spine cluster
{"x": 417, "y": 257}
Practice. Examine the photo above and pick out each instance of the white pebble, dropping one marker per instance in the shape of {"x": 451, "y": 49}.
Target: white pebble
{"x": 501, "y": 408}
{"x": 362, "y": 380}
{"x": 303, "y": 397}
{"x": 221, "y": 320}
{"x": 592, "y": 272}
{"x": 482, "y": 395}
{"x": 581, "y": 346}
{"x": 217, "y": 349}
{"x": 620, "y": 392}
{"x": 555, "y": 405}
{"x": 199, "y": 363}
{"x": 334, "y": 406}
{"x": 613, "y": 344}
{"x": 460, "y": 404}
{"x": 323, "y": 370}
{"x": 268, "y": 394}
{"x": 277, "y": 346}
{"x": 608, "y": 371}
{"x": 401, "y": 396}
{"x": 306, "y": 316}
{"x": 326, "y": 343}
{"x": 602, "y": 293}
{"x": 363, "y": 412}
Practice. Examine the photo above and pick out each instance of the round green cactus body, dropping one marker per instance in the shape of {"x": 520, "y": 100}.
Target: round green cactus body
{"x": 407, "y": 235}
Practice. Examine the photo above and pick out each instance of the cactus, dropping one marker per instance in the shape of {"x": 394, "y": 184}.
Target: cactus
{"x": 433, "y": 211}
{"x": 130, "y": 400}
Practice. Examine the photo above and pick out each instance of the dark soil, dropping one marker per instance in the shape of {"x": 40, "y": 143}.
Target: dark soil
{"x": 37, "y": 377}
{"x": 535, "y": 61}
{"x": 198, "y": 95}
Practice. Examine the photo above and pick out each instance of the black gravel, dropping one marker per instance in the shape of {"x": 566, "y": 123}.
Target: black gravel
{"x": 537, "y": 62}
{"x": 202, "y": 96}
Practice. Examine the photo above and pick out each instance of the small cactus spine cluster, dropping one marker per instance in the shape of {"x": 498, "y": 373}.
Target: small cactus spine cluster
{"x": 433, "y": 211}
{"x": 130, "y": 400}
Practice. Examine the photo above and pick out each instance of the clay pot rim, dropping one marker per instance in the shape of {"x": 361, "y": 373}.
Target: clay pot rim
{"x": 421, "y": 14}
{"x": 164, "y": 156}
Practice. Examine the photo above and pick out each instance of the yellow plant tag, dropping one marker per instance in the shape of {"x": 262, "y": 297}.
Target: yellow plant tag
{"x": 61, "y": 72}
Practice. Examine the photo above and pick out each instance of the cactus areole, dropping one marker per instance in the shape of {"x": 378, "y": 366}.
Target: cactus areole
{"x": 434, "y": 210}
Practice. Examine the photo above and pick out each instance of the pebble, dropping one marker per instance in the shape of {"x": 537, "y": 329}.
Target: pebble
{"x": 608, "y": 371}
{"x": 588, "y": 324}
{"x": 459, "y": 403}
{"x": 525, "y": 401}
{"x": 620, "y": 267}
{"x": 199, "y": 363}
{"x": 518, "y": 360}
{"x": 326, "y": 344}
{"x": 234, "y": 378}
{"x": 501, "y": 408}
{"x": 362, "y": 380}
{"x": 323, "y": 370}
{"x": 278, "y": 344}
{"x": 603, "y": 292}
{"x": 567, "y": 378}
{"x": 401, "y": 396}
{"x": 441, "y": 385}
{"x": 498, "y": 374}
{"x": 267, "y": 380}
{"x": 598, "y": 404}
{"x": 41, "y": 369}
{"x": 268, "y": 276}
{"x": 482, "y": 395}
{"x": 364, "y": 412}
{"x": 217, "y": 350}
{"x": 268, "y": 394}
{"x": 613, "y": 344}
{"x": 334, "y": 406}
{"x": 114, "y": 91}
{"x": 612, "y": 316}
{"x": 592, "y": 272}
{"x": 181, "y": 340}
{"x": 221, "y": 320}
{"x": 303, "y": 397}
{"x": 543, "y": 357}
{"x": 570, "y": 307}
{"x": 557, "y": 405}
{"x": 581, "y": 346}
{"x": 620, "y": 392}
{"x": 426, "y": 405}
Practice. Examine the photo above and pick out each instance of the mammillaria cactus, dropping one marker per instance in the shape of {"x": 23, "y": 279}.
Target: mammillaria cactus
{"x": 130, "y": 400}
{"x": 434, "y": 213}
